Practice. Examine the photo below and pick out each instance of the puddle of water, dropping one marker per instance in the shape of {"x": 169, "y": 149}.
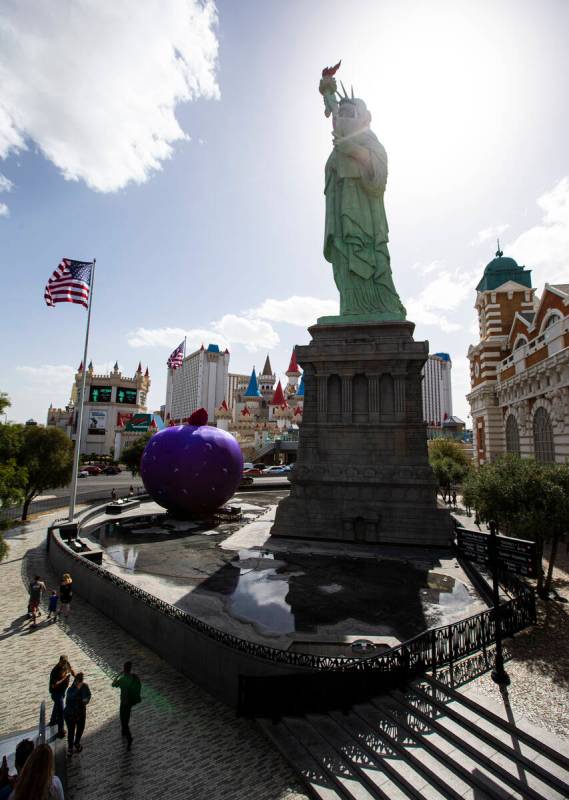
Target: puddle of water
{"x": 289, "y": 593}
{"x": 295, "y": 594}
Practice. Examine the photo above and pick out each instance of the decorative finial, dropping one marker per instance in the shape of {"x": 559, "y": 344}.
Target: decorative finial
{"x": 499, "y": 253}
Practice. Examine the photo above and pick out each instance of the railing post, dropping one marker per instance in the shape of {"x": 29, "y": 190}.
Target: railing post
{"x": 434, "y": 652}
{"x": 41, "y": 726}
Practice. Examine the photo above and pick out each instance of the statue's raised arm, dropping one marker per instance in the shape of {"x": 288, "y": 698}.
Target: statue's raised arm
{"x": 356, "y": 233}
{"x": 328, "y": 89}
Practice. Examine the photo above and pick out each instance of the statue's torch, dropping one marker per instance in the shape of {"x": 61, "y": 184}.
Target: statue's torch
{"x": 328, "y": 88}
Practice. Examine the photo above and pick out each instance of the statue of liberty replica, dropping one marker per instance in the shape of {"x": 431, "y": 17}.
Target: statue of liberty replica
{"x": 362, "y": 472}
{"x": 356, "y": 231}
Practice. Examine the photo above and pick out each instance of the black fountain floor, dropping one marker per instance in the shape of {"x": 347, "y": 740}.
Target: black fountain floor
{"x": 284, "y": 597}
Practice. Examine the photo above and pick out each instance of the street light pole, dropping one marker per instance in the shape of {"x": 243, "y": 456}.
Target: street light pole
{"x": 499, "y": 674}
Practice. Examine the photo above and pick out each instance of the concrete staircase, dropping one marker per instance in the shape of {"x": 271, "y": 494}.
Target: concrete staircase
{"x": 430, "y": 743}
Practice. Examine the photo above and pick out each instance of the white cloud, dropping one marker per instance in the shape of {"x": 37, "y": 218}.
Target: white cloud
{"x": 427, "y": 269}
{"x": 446, "y": 292}
{"x": 544, "y": 248}
{"x": 419, "y": 314}
{"x": 489, "y": 233}
{"x": 171, "y": 337}
{"x": 231, "y": 329}
{"x": 296, "y": 310}
{"x": 4, "y": 210}
{"x": 6, "y": 184}
{"x": 95, "y": 85}
{"x": 254, "y": 334}
{"x": 49, "y": 379}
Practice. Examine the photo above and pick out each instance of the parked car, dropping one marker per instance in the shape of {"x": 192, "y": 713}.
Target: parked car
{"x": 83, "y": 474}
{"x": 260, "y": 465}
{"x": 246, "y": 480}
{"x": 277, "y": 469}
{"x": 91, "y": 469}
{"x": 254, "y": 472}
{"x": 248, "y": 465}
{"x": 112, "y": 470}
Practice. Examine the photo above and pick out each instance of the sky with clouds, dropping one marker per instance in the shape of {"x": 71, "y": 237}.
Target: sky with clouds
{"x": 182, "y": 143}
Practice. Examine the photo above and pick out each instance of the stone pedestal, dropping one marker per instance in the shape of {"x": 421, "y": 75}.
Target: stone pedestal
{"x": 362, "y": 473}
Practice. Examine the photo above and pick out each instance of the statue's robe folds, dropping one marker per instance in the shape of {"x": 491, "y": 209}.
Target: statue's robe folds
{"x": 356, "y": 232}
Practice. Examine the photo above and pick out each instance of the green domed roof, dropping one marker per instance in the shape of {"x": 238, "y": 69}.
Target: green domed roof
{"x": 501, "y": 263}
{"x": 501, "y": 270}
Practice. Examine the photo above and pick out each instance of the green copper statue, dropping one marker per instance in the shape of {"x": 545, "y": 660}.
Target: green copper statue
{"x": 356, "y": 233}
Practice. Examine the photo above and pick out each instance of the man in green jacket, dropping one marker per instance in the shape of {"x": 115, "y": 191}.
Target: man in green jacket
{"x": 130, "y": 687}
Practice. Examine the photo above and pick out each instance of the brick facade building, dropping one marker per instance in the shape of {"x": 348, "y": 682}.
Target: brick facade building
{"x": 519, "y": 370}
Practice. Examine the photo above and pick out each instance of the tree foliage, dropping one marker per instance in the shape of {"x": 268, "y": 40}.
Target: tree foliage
{"x": 527, "y": 499}
{"x": 13, "y": 476}
{"x": 450, "y": 463}
{"x": 4, "y": 402}
{"x": 132, "y": 454}
{"x": 47, "y": 456}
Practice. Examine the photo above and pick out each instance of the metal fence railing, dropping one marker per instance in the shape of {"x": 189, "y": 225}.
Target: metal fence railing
{"x": 51, "y": 503}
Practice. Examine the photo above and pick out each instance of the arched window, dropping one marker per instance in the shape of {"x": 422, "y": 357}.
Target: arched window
{"x": 543, "y": 437}
{"x": 551, "y": 320}
{"x": 521, "y": 341}
{"x": 512, "y": 436}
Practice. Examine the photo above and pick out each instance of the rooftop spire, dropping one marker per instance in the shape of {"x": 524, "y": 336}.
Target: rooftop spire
{"x": 278, "y": 397}
{"x": 267, "y": 369}
{"x": 138, "y": 369}
{"x": 293, "y": 366}
{"x": 499, "y": 252}
{"x": 253, "y": 387}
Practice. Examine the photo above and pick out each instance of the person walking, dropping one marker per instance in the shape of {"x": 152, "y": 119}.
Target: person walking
{"x": 52, "y": 606}
{"x": 114, "y": 496}
{"x": 130, "y": 687}
{"x": 131, "y": 491}
{"x": 76, "y": 700}
{"x": 65, "y": 594}
{"x": 59, "y": 679}
{"x": 37, "y": 778}
{"x": 37, "y": 587}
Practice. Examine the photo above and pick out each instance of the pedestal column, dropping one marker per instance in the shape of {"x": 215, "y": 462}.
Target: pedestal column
{"x": 362, "y": 471}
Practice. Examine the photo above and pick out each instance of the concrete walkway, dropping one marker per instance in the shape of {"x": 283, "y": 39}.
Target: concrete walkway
{"x": 186, "y": 744}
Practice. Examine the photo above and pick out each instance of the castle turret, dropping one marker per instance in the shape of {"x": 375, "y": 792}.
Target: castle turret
{"x": 252, "y": 395}
{"x": 223, "y": 416}
{"x": 503, "y": 295}
{"x": 266, "y": 381}
{"x": 293, "y": 374}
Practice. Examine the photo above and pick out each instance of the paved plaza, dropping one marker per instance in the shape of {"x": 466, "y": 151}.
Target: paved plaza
{"x": 186, "y": 744}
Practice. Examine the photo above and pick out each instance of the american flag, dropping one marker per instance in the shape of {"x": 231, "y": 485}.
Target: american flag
{"x": 70, "y": 283}
{"x": 175, "y": 359}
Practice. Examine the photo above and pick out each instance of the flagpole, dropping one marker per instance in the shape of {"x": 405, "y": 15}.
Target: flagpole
{"x": 169, "y": 404}
{"x": 76, "y": 454}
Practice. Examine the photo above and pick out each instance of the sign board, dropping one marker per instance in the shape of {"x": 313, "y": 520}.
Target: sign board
{"x": 100, "y": 394}
{"x": 127, "y": 396}
{"x": 474, "y": 546}
{"x": 139, "y": 423}
{"x": 517, "y": 555}
{"x": 97, "y": 423}
{"x": 514, "y": 555}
